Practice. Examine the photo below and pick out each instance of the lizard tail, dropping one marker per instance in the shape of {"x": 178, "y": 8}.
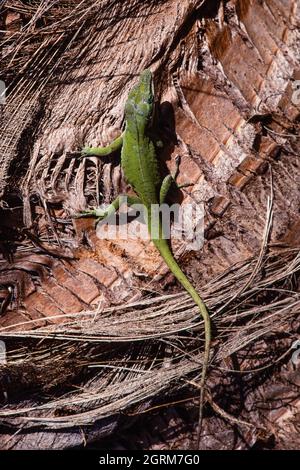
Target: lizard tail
{"x": 164, "y": 249}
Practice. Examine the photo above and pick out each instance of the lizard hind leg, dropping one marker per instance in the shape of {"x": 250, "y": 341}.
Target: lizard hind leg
{"x": 165, "y": 187}
{"x": 176, "y": 173}
{"x": 99, "y": 214}
{"x": 169, "y": 180}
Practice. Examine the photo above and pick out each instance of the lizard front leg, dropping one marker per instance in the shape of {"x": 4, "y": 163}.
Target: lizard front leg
{"x": 103, "y": 151}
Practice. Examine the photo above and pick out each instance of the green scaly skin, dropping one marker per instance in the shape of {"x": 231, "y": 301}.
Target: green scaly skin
{"x": 140, "y": 167}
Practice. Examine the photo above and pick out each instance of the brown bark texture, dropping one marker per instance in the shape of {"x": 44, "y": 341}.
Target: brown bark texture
{"x": 101, "y": 344}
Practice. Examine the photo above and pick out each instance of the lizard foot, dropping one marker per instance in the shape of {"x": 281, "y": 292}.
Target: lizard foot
{"x": 86, "y": 151}
{"x": 184, "y": 185}
{"x": 96, "y": 213}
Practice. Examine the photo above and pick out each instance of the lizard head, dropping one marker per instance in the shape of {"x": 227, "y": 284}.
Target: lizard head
{"x": 140, "y": 101}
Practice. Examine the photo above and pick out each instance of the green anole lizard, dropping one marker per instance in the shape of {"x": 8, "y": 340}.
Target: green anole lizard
{"x": 140, "y": 168}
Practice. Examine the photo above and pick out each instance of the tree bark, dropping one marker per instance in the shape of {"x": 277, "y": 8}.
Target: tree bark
{"x": 225, "y": 73}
